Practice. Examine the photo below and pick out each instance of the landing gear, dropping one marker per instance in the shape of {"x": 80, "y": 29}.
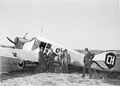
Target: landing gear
{"x": 27, "y": 64}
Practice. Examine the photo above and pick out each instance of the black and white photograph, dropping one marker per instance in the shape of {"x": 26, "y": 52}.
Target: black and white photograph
{"x": 59, "y": 42}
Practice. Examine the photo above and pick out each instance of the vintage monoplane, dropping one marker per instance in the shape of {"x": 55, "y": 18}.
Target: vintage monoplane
{"x": 24, "y": 54}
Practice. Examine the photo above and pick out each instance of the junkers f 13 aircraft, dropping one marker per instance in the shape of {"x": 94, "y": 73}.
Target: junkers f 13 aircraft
{"x": 24, "y": 54}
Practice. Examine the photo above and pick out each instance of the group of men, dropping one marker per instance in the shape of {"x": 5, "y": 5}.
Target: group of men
{"x": 47, "y": 61}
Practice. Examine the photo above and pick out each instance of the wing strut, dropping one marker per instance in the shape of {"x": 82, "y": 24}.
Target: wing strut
{"x": 98, "y": 65}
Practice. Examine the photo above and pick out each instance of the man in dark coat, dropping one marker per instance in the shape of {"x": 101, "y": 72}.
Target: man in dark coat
{"x": 45, "y": 56}
{"x": 40, "y": 67}
{"x": 51, "y": 57}
{"x": 87, "y": 62}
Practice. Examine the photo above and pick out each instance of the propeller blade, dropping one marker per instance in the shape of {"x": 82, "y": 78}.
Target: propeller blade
{"x": 10, "y": 40}
{"x": 25, "y": 35}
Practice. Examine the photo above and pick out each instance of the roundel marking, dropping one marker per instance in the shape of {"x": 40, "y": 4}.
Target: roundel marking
{"x": 57, "y": 50}
{"x": 110, "y": 60}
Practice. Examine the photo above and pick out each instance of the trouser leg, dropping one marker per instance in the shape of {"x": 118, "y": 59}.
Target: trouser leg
{"x": 84, "y": 69}
{"x": 89, "y": 69}
{"x": 45, "y": 67}
{"x": 38, "y": 68}
{"x": 42, "y": 67}
{"x": 51, "y": 67}
{"x": 66, "y": 67}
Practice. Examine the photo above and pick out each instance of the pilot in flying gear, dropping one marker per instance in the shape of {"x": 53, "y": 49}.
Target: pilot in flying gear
{"x": 66, "y": 61}
{"x": 87, "y": 62}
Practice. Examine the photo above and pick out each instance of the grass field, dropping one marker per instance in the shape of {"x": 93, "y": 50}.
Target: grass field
{"x": 29, "y": 78}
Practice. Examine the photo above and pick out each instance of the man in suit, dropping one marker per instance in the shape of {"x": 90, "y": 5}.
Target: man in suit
{"x": 87, "y": 62}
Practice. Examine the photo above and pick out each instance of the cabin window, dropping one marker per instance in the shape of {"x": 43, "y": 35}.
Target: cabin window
{"x": 48, "y": 46}
{"x": 43, "y": 44}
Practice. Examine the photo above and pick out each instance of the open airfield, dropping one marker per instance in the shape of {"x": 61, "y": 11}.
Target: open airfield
{"x": 30, "y": 78}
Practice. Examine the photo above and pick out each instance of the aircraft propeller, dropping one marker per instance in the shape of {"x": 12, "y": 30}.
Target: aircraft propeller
{"x": 25, "y": 35}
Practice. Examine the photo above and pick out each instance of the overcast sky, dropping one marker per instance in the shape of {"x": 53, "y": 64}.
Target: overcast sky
{"x": 73, "y": 23}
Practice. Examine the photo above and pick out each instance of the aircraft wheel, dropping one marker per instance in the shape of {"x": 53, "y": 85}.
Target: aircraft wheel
{"x": 21, "y": 64}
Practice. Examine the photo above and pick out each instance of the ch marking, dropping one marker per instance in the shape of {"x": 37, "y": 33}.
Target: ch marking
{"x": 110, "y": 60}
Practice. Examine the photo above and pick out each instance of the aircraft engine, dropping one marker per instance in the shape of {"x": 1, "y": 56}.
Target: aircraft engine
{"x": 27, "y": 64}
